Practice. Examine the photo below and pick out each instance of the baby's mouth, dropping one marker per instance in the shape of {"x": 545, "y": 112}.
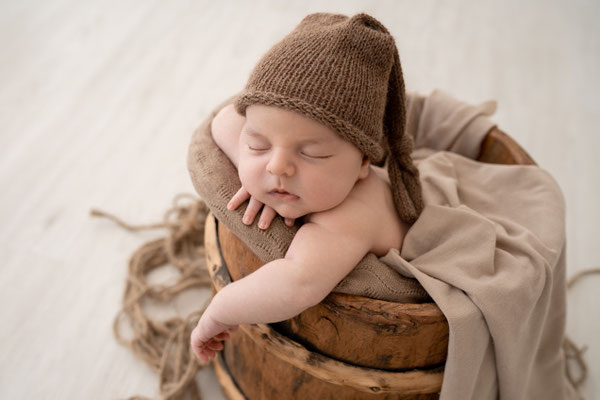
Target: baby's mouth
{"x": 283, "y": 195}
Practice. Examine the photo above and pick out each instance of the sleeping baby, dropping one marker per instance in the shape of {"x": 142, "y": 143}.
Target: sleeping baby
{"x": 320, "y": 109}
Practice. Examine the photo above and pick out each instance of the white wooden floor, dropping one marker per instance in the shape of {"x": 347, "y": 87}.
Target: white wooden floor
{"x": 97, "y": 103}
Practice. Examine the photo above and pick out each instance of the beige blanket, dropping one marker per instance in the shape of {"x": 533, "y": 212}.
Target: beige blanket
{"x": 489, "y": 249}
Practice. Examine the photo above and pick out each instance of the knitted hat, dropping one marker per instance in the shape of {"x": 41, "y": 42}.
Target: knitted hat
{"x": 344, "y": 73}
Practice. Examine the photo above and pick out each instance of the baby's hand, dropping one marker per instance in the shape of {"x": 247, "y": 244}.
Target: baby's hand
{"x": 254, "y": 206}
{"x": 207, "y": 338}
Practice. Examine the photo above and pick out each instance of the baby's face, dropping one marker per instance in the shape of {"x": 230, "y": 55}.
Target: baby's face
{"x": 294, "y": 164}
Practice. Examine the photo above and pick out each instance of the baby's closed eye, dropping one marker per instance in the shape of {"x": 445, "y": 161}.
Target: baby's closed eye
{"x": 315, "y": 150}
{"x": 317, "y": 155}
{"x": 257, "y": 144}
{"x": 258, "y": 147}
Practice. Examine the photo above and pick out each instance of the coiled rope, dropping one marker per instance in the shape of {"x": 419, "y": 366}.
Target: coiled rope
{"x": 164, "y": 345}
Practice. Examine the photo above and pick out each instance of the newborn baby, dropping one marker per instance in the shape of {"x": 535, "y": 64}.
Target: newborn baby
{"x": 299, "y": 167}
{"x": 300, "y": 151}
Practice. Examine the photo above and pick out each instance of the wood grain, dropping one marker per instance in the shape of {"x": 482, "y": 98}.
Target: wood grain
{"x": 499, "y": 148}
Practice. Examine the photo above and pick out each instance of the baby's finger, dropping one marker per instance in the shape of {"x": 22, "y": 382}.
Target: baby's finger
{"x": 203, "y": 359}
{"x": 222, "y": 336}
{"x": 209, "y": 353}
{"x": 253, "y": 209}
{"x": 239, "y": 198}
{"x": 289, "y": 221}
{"x": 215, "y": 345}
{"x": 266, "y": 217}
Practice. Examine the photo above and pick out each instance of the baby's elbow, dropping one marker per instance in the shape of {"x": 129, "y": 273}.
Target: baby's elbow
{"x": 309, "y": 298}
{"x": 306, "y": 298}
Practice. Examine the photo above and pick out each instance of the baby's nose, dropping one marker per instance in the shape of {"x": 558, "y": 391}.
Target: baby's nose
{"x": 280, "y": 164}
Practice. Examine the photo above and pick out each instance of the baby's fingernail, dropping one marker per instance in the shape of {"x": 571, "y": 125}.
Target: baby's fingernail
{"x": 262, "y": 225}
{"x": 246, "y": 219}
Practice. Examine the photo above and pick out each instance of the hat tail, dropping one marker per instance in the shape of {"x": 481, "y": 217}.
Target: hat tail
{"x": 404, "y": 175}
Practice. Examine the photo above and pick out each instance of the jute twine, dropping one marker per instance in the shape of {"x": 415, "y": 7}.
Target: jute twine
{"x": 574, "y": 354}
{"x": 164, "y": 345}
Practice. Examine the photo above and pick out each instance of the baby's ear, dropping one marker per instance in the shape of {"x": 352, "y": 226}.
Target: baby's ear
{"x": 364, "y": 168}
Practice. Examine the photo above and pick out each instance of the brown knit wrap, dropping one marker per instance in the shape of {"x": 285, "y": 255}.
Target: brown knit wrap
{"x": 344, "y": 73}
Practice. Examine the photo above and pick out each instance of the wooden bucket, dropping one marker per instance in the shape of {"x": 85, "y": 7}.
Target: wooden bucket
{"x": 347, "y": 347}
{"x": 262, "y": 363}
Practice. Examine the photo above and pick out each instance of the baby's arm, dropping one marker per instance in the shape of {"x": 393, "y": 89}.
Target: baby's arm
{"x": 320, "y": 255}
{"x": 225, "y": 128}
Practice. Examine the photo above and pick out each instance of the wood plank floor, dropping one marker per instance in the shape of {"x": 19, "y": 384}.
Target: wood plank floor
{"x": 98, "y": 100}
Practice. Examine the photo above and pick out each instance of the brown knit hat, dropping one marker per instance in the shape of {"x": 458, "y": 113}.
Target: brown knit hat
{"x": 344, "y": 73}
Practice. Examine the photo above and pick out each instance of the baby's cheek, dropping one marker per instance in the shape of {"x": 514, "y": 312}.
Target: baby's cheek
{"x": 246, "y": 176}
{"x": 251, "y": 182}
